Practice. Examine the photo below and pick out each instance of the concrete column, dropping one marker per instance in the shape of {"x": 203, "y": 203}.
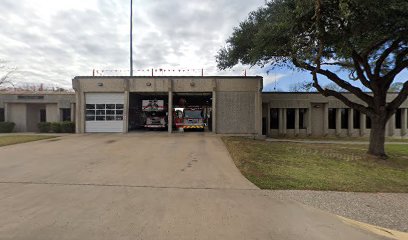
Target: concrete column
{"x": 296, "y": 121}
{"x": 6, "y": 117}
{"x": 170, "y": 113}
{"x": 325, "y": 119}
{"x": 259, "y": 113}
{"x": 350, "y": 122}
{"x": 78, "y": 103}
{"x": 284, "y": 116}
{"x": 280, "y": 111}
{"x": 126, "y": 113}
{"x": 362, "y": 124}
{"x": 268, "y": 121}
{"x": 309, "y": 120}
{"x": 338, "y": 121}
{"x": 404, "y": 121}
{"x": 82, "y": 112}
{"x": 72, "y": 112}
{"x": 391, "y": 126}
{"x": 214, "y": 111}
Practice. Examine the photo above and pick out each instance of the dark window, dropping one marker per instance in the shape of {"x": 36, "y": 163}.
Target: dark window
{"x": 290, "y": 118}
{"x": 398, "y": 119}
{"x": 356, "y": 119}
{"x": 2, "y": 115}
{"x": 332, "y": 118}
{"x": 43, "y": 115}
{"x": 274, "y": 118}
{"x": 368, "y": 122}
{"x": 344, "y": 118}
{"x": 302, "y": 118}
{"x": 66, "y": 114}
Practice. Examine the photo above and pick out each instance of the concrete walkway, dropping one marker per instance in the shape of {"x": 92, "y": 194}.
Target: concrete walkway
{"x": 145, "y": 186}
{"x": 325, "y": 141}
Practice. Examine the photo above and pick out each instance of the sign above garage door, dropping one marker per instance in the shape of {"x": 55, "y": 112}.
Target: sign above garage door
{"x": 104, "y": 112}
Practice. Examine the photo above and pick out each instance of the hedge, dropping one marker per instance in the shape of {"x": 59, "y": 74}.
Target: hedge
{"x": 44, "y": 127}
{"x": 7, "y": 127}
{"x": 56, "y": 127}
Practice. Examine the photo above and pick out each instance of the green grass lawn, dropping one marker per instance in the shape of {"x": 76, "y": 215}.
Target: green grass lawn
{"x": 15, "y": 139}
{"x": 282, "y": 165}
{"x": 334, "y": 138}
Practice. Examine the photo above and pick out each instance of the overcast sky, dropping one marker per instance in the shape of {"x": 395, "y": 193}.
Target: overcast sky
{"x": 50, "y": 42}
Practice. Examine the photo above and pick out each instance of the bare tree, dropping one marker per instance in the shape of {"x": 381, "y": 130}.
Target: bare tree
{"x": 5, "y": 74}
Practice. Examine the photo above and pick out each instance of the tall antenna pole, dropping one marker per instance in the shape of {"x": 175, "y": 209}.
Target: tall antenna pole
{"x": 131, "y": 37}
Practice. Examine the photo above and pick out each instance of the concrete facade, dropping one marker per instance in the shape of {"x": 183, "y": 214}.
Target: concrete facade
{"x": 236, "y": 101}
{"x": 238, "y": 106}
{"x": 317, "y": 111}
{"x": 24, "y": 108}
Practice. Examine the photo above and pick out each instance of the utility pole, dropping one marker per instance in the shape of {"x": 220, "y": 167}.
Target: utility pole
{"x": 131, "y": 37}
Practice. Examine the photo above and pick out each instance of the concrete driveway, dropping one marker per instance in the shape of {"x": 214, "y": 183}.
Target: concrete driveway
{"x": 145, "y": 186}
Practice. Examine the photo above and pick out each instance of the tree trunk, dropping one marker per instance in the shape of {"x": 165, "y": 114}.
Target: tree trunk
{"x": 377, "y": 137}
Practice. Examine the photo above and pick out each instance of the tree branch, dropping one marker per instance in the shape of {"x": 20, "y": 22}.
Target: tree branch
{"x": 389, "y": 77}
{"x": 331, "y": 93}
{"x": 368, "y": 51}
{"x": 340, "y": 82}
{"x": 399, "y": 99}
{"x": 394, "y": 45}
{"x": 356, "y": 59}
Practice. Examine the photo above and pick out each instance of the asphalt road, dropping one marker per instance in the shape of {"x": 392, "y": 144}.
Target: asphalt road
{"x": 145, "y": 186}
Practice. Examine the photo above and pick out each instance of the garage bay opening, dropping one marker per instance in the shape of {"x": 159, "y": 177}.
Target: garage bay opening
{"x": 148, "y": 111}
{"x": 189, "y": 112}
{"x": 192, "y": 111}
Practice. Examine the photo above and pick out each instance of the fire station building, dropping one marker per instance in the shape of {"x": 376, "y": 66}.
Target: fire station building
{"x": 233, "y": 105}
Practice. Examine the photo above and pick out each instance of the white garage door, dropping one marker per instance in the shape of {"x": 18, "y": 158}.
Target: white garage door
{"x": 104, "y": 112}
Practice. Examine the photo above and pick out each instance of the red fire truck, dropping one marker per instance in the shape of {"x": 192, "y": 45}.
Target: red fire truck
{"x": 193, "y": 118}
{"x": 155, "y": 113}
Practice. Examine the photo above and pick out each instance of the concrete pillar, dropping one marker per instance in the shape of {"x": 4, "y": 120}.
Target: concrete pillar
{"x": 325, "y": 119}
{"x": 259, "y": 113}
{"x": 214, "y": 111}
{"x": 338, "y": 121}
{"x": 72, "y": 112}
{"x": 126, "y": 112}
{"x": 78, "y": 103}
{"x": 350, "y": 122}
{"x": 268, "y": 121}
{"x": 309, "y": 120}
{"x": 280, "y": 111}
{"x": 81, "y": 112}
{"x": 404, "y": 121}
{"x": 362, "y": 124}
{"x": 391, "y": 126}
{"x": 284, "y": 116}
{"x": 6, "y": 115}
{"x": 170, "y": 113}
{"x": 296, "y": 121}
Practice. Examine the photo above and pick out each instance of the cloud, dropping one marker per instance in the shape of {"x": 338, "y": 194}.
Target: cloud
{"x": 53, "y": 41}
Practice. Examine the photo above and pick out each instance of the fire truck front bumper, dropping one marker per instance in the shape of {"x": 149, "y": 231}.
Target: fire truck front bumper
{"x": 154, "y": 126}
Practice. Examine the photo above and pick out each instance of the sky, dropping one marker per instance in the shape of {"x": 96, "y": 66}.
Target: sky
{"x": 50, "y": 42}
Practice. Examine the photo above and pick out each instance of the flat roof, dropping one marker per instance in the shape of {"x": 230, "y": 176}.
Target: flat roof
{"x": 198, "y": 77}
{"x": 35, "y": 93}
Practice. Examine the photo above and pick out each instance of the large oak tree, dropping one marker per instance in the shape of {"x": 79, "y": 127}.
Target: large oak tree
{"x": 366, "y": 38}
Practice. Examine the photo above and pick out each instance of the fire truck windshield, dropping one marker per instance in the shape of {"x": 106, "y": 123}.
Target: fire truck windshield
{"x": 192, "y": 114}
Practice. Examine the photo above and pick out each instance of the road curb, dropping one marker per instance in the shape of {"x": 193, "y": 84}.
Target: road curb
{"x": 385, "y": 232}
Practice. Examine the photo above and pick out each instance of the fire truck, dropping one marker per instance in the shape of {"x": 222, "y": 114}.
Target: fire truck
{"x": 193, "y": 118}
{"x": 155, "y": 113}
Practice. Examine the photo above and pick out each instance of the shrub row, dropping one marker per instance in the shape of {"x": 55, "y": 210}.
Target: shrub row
{"x": 6, "y": 127}
{"x": 56, "y": 127}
